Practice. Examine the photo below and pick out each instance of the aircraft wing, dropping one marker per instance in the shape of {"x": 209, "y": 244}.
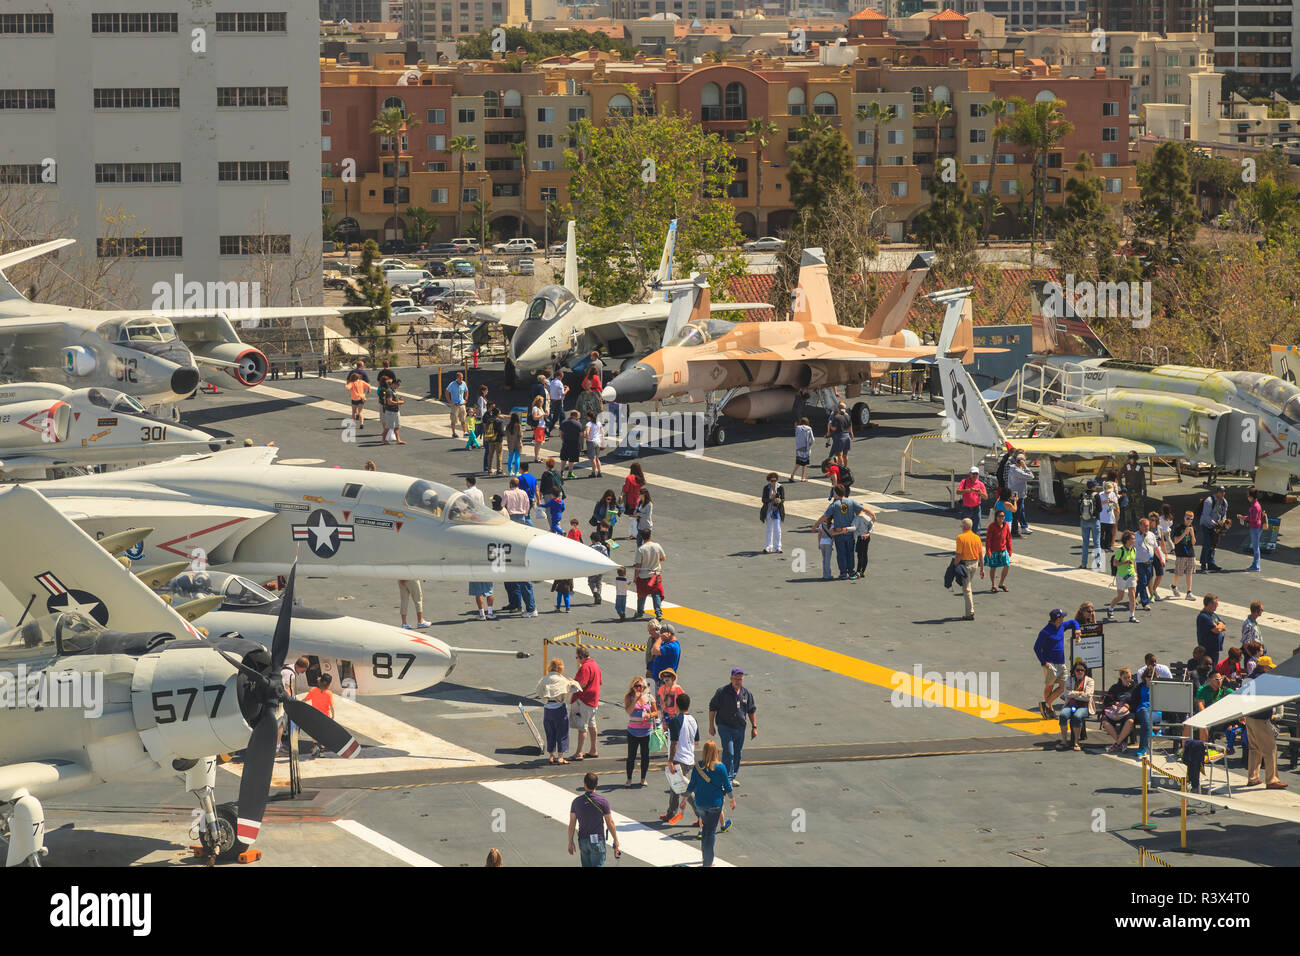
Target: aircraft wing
{"x": 1275, "y": 811}
{"x": 43, "y": 779}
{"x": 1263, "y": 692}
{"x": 818, "y": 352}
{"x": 509, "y": 316}
{"x": 1092, "y": 446}
{"x": 70, "y": 571}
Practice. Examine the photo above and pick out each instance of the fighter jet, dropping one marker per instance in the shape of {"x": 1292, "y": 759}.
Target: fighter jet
{"x": 379, "y": 659}
{"x": 45, "y": 426}
{"x": 559, "y": 330}
{"x": 759, "y": 368}
{"x": 154, "y": 355}
{"x": 1089, "y": 406}
{"x": 83, "y": 705}
{"x": 240, "y": 513}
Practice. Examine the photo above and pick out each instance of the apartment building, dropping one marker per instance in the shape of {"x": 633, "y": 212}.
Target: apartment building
{"x": 836, "y": 83}
{"x": 198, "y": 123}
{"x": 1258, "y": 40}
{"x": 439, "y": 19}
{"x": 1031, "y": 14}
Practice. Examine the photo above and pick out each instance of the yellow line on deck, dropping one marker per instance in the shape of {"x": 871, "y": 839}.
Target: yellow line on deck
{"x": 930, "y": 692}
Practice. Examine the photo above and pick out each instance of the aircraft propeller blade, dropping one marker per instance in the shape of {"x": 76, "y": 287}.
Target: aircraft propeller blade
{"x": 323, "y": 729}
{"x": 255, "y": 781}
{"x": 283, "y": 623}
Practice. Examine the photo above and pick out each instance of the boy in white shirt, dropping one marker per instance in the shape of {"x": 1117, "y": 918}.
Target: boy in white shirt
{"x": 620, "y": 593}
{"x": 683, "y": 757}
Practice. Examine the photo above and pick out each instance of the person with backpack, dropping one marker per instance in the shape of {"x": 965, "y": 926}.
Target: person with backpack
{"x": 1089, "y": 522}
{"x": 1109, "y": 514}
{"x": 514, "y": 443}
{"x": 1184, "y": 536}
{"x": 772, "y": 512}
{"x": 1124, "y": 565}
{"x": 494, "y": 433}
{"x": 803, "y": 441}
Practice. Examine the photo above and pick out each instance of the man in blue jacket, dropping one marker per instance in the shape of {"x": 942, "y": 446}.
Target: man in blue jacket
{"x": 1050, "y": 651}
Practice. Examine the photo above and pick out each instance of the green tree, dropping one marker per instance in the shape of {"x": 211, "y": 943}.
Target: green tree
{"x": 996, "y": 108}
{"x": 1038, "y": 128}
{"x": 540, "y": 45}
{"x": 520, "y": 151}
{"x": 948, "y": 225}
{"x": 760, "y": 133}
{"x": 819, "y": 162}
{"x": 393, "y": 122}
{"x": 1087, "y": 237}
{"x": 326, "y": 222}
{"x": 1271, "y": 207}
{"x": 637, "y": 174}
{"x": 1167, "y": 214}
{"x": 555, "y": 219}
{"x": 935, "y": 111}
{"x": 370, "y": 328}
{"x": 422, "y": 221}
{"x": 881, "y": 116}
{"x": 459, "y": 146}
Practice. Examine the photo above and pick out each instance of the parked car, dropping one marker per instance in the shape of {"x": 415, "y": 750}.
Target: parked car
{"x": 461, "y": 267}
{"x": 465, "y": 245}
{"x": 555, "y": 250}
{"x": 765, "y": 244}
{"x": 522, "y": 266}
{"x": 396, "y": 247}
{"x": 411, "y": 313}
{"x": 497, "y": 267}
{"x": 443, "y": 250}
{"x": 516, "y": 247}
{"x": 437, "y": 268}
{"x": 335, "y": 280}
{"x": 392, "y": 262}
{"x": 456, "y": 299}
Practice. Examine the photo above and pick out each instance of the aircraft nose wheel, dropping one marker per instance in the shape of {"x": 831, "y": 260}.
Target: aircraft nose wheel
{"x": 861, "y": 415}
{"x": 718, "y": 436}
{"x": 228, "y": 845}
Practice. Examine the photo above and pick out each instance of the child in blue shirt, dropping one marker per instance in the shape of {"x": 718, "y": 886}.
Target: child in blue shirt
{"x": 555, "y": 507}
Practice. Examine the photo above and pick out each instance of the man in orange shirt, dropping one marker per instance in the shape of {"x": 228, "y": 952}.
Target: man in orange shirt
{"x": 357, "y": 388}
{"x": 968, "y": 552}
{"x": 321, "y": 698}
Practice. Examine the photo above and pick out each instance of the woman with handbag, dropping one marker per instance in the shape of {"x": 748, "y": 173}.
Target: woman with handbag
{"x": 641, "y": 715}
{"x": 645, "y": 517}
{"x": 537, "y": 419}
{"x": 606, "y": 511}
{"x": 555, "y": 690}
{"x": 772, "y": 512}
{"x": 709, "y": 784}
{"x": 1079, "y": 689}
{"x": 1117, "y": 711}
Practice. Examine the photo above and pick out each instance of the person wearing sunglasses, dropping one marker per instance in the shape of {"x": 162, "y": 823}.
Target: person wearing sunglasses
{"x": 1079, "y": 689}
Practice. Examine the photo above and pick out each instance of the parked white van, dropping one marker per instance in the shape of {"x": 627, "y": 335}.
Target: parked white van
{"x": 396, "y": 277}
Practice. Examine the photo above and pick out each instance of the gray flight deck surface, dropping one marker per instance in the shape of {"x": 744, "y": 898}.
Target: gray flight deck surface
{"x": 837, "y": 776}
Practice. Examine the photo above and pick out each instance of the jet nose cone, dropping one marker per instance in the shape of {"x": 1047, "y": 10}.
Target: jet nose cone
{"x": 635, "y": 384}
{"x": 555, "y": 556}
{"x": 185, "y": 380}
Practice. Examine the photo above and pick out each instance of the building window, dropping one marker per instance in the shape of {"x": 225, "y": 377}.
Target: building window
{"x": 1114, "y": 185}
{"x": 327, "y": 197}
{"x": 795, "y": 102}
{"x": 253, "y": 171}
{"x": 14, "y": 23}
{"x": 1171, "y": 59}
{"x": 866, "y": 137}
{"x": 403, "y": 195}
{"x": 141, "y": 247}
{"x": 438, "y": 197}
{"x": 1146, "y": 62}
{"x": 325, "y": 144}
{"x": 824, "y": 105}
{"x": 469, "y": 194}
{"x": 577, "y": 113}
{"x": 894, "y": 161}
{"x": 710, "y": 103}
{"x": 21, "y": 174}
{"x": 500, "y": 164}
{"x": 1126, "y": 57}
{"x": 102, "y": 23}
{"x": 1109, "y": 134}
{"x": 894, "y": 137}
{"x": 435, "y": 117}
{"x": 898, "y": 189}
{"x": 1171, "y": 80}
{"x": 26, "y": 99}
{"x": 864, "y": 160}
{"x": 1053, "y": 160}
{"x": 1110, "y": 108}
{"x": 646, "y": 103}
{"x": 549, "y": 194}
{"x": 1006, "y": 159}
{"x": 491, "y": 104}
{"x": 325, "y": 117}
{"x": 326, "y": 170}
{"x": 252, "y": 22}
{"x": 978, "y": 159}
{"x": 979, "y": 187}
{"x": 386, "y": 144}
{"x": 738, "y": 190}
{"x": 505, "y": 189}
{"x": 437, "y": 141}
{"x": 137, "y": 173}
{"x": 466, "y": 116}
{"x": 545, "y": 141}
{"x": 545, "y": 114}
{"x": 918, "y": 95}
{"x": 435, "y": 167}
{"x": 1110, "y": 159}
{"x": 386, "y": 169}
{"x": 734, "y": 102}
{"x": 253, "y": 245}
{"x": 252, "y": 96}
{"x": 620, "y": 105}
{"x": 143, "y": 98}
{"x": 977, "y": 110}
{"x": 979, "y": 135}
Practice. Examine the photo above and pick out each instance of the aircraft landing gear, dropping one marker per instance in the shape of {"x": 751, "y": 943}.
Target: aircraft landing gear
{"x": 511, "y": 376}
{"x": 22, "y": 823}
{"x": 717, "y": 435}
{"x": 218, "y": 828}
{"x": 861, "y": 415}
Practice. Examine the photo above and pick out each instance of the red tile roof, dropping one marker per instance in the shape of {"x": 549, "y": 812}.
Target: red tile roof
{"x": 868, "y": 14}
{"x": 949, "y": 15}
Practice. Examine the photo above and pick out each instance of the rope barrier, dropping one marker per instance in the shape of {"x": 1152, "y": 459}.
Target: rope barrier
{"x": 581, "y": 638}
{"x": 1144, "y": 854}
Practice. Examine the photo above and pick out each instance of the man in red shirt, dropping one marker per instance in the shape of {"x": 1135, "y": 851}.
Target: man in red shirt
{"x": 973, "y": 494}
{"x": 582, "y": 706}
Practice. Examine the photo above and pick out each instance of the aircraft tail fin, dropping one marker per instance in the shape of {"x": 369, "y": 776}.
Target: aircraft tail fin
{"x": 689, "y": 305}
{"x": 892, "y": 313}
{"x": 7, "y": 290}
{"x": 571, "y": 260}
{"x": 1056, "y": 329}
{"x": 968, "y": 418}
{"x": 812, "y": 296}
{"x": 71, "y": 571}
{"x": 665, "y": 273}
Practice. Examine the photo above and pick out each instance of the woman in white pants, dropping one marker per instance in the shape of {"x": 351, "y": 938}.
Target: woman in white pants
{"x": 772, "y": 512}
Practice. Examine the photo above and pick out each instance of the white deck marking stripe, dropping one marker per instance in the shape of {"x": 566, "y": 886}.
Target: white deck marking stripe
{"x": 656, "y": 847}
{"x": 381, "y": 842}
{"x": 1290, "y": 584}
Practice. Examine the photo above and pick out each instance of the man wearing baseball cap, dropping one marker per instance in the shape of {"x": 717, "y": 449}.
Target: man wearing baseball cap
{"x": 973, "y": 494}
{"x": 1018, "y": 477}
{"x": 1050, "y": 651}
{"x": 1263, "y": 745}
{"x": 730, "y": 705}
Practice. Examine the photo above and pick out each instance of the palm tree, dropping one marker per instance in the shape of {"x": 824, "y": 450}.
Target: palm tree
{"x": 759, "y": 133}
{"x": 424, "y": 222}
{"x": 881, "y": 116}
{"x": 520, "y": 149}
{"x": 461, "y": 145}
{"x": 996, "y": 109}
{"x": 393, "y": 122}
{"x": 1038, "y": 128}
{"x": 938, "y": 112}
